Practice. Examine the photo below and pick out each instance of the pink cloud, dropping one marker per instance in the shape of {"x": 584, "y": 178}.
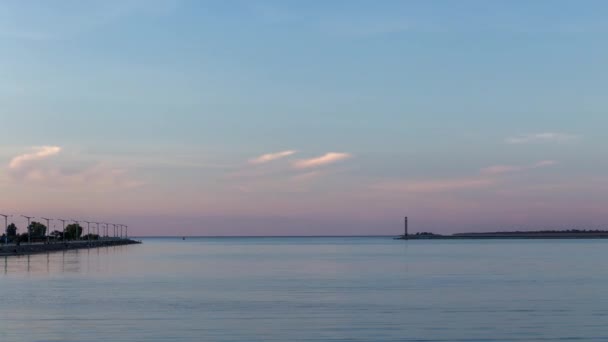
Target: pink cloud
{"x": 38, "y": 153}
{"x": 265, "y": 158}
{"x": 500, "y": 169}
{"x": 326, "y": 159}
{"x": 42, "y": 167}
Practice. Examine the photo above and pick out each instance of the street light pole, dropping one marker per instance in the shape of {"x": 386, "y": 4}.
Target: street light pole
{"x": 48, "y": 227}
{"x": 29, "y": 231}
{"x": 63, "y": 222}
{"x": 97, "y": 229}
{"x": 76, "y": 229}
{"x": 88, "y": 231}
{"x": 5, "y": 228}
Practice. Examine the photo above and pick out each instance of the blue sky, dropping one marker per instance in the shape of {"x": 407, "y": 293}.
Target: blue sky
{"x": 469, "y": 115}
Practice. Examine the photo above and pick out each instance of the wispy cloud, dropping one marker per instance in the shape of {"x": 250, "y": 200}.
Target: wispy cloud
{"x": 500, "y": 169}
{"x": 265, "y": 158}
{"x": 38, "y": 153}
{"x": 488, "y": 177}
{"x": 328, "y": 158}
{"x": 546, "y": 137}
{"x": 435, "y": 186}
{"x": 44, "y": 166}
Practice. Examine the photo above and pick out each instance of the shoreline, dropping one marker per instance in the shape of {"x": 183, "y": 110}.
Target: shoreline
{"x": 37, "y": 248}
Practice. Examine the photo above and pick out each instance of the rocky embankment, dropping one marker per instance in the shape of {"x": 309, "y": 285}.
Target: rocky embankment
{"x": 23, "y": 249}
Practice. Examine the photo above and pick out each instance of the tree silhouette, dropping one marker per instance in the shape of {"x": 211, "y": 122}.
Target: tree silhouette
{"x": 37, "y": 229}
{"x": 57, "y": 235}
{"x": 11, "y": 230}
{"x": 73, "y": 231}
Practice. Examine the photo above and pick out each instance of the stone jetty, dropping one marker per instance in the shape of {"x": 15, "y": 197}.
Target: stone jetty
{"x": 33, "y": 248}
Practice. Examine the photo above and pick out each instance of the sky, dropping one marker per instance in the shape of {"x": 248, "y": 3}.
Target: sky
{"x": 305, "y": 117}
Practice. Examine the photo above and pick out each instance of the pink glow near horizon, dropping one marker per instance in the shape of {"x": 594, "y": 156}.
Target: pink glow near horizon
{"x": 274, "y": 197}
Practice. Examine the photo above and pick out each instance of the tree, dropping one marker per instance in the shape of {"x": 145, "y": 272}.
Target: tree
{"x": 57, "y": 235}
{"x": 73, "y": 231}
{"x": 91, "y": 237}
{"x": 37, "y": 229}
{"x": 23, "y": 237}
{"x": 11, "y": 230}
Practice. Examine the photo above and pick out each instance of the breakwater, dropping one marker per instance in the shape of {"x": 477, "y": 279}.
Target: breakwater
{"x": 24, "y": 249}
{"x": 509, "y": 235}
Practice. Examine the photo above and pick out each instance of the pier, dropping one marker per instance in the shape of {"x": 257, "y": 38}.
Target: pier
{"x": 42, "y": 247}
{"x": 39, "y": 239}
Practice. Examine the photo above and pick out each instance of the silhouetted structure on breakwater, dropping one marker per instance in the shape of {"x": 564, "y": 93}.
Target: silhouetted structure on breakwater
{"x": 539, "y": 234}
{"x": 543, "y": 234}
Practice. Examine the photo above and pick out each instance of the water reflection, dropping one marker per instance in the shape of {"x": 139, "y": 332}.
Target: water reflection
{"x": 80, "y": 261}
{"x": 309, "y": 289}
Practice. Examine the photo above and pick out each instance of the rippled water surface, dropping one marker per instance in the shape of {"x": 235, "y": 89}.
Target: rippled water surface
{"x": 310, "y": 289}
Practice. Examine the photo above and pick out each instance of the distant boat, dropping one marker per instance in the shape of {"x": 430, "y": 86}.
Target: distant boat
{"x": 183, "y": 238}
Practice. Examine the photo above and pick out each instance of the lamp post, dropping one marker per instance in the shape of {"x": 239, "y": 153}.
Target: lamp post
{"x": 5, "y": 228}
{"x": 63, "y": 222}
{"x": 76, "y": 229}
{"x": 29, "y": 232}
{"x": 48, "y": 227}
{"x": 97, "y": 229}
{"x": 88, "y": 231}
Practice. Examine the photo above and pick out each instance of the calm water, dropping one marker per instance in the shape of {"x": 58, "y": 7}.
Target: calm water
{"x": 310, "y": 289}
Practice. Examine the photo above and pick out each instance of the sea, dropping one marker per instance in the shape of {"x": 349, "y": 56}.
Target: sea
{"x": 309, "y": 289}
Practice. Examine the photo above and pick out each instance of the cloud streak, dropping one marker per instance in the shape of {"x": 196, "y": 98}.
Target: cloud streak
{"x": 39, "y": 153}
{"x": 501, "y": 169}
{"x": 265, "y": 158}
{"x": 435, "y": 186}
{"x": 326, "y": 159}
{"x": 42, "y": 167}
{"x": 547, "y": 137}
{"x": 490, "y": 176}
